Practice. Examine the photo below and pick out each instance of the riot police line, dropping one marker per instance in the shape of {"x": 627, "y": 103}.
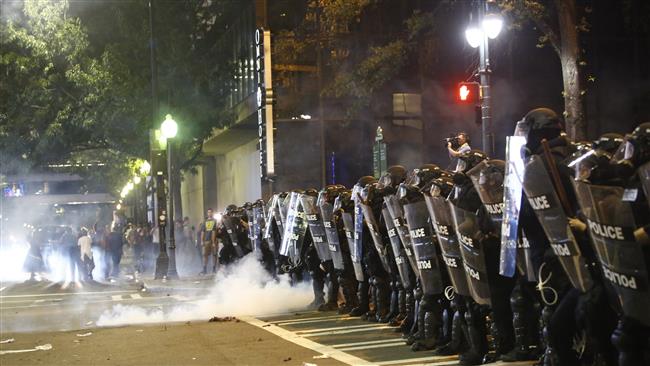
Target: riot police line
{"x": 543, "y": 256}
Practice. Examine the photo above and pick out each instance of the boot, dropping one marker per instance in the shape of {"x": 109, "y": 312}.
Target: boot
{"x": 429, "y": 324}
{"x": 362, "y": 300}
{"x": 458, "y": 342}
{"x": 476, "y": 337}
{"x": 409, "y": 305}
{"x": 630, "y": 339}
{"x": 414, "y": 334}
{"x": 319, "y": 297}
{"x": 384, "y": 302}
{"x": 332, "y": 297}
{"x": 351, "y": 299}
{"x": 549, "y": 358}
{"x": 401, "y": 309}
{"x": 521, "y": 350}
{"x": 371, "y": 315}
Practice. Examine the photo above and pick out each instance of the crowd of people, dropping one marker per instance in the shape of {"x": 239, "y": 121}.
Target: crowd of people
{"x": 542, "y": 256}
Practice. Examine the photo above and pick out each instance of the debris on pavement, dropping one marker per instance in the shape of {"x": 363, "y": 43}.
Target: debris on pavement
{"x": 45, "y": 347}
{"x": 287, "y": 359}
{"x": 84, "y": 334}
{"x": 224, "y": 319}
{"x": 8, "y": 340}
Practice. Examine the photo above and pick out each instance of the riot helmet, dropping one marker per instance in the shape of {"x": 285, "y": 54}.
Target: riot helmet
{"x": 636, "y": 147}
{"x": 230, "y": 210}
{"x": 344, "y": 202}
{"x": 537, "y": 125}
{"x": 470, "y": 159}
{"x": 441, "y": 187}
{"x": 608, "y": 143}
{"x": 393, "y": 176}
{"x": 329, "y": 194}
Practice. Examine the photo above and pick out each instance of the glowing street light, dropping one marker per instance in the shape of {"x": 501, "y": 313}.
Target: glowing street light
{"x": 145, "y": 168}
{"x": 169, "y": 127}
{"x": 492, "y": 24}
{"x": 474, "y": 36}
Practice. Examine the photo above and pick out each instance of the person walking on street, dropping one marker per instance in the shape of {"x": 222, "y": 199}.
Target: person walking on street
{"x": 86, "y": 255}
{"x": 208, "y": 238}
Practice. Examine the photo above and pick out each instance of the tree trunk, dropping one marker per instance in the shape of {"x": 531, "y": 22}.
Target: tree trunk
{"x": 576, "y": 125}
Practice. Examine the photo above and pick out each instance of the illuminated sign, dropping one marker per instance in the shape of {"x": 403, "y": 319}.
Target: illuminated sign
{"x": 264, "y": 98}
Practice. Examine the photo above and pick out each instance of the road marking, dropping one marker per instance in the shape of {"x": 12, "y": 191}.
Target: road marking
{"x": 2, "y": 289}
{"x": 335, "y": 332}
{"x": 366, "y": 342}
{"x": 301, "y": 341}
{"x": 116, "y": 297}
{"x": 338, "y": 328}
{"x": 297, "y": 321}
{"x": 156, "y": 299}
{"x": 370, "y": 346}
{"x": 67, "y": 294}
{"x": 324, "y": 319}
{"x": 443, "y": 360}
{"x": 136, "y": 296}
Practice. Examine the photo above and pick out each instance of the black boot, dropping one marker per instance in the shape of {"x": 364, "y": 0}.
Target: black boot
{"x": 384, "y": 301}
{"x": 332, "y": 295}
{"x": 458, "y": 342}
{"x": 317, "y": 286}
{"x": 549, "y": 357}
{"x": 371, "y": 314}
{"x": 414, "y": 334}
{"x": 348, "y": 287}
{"x": 401, "y": 309}
{"x": 521, "y": 350}
{"x": 476, "y": 337}
{"x": 429, "y": 324}
{"x": 362, "y": 300}
{"x": 630, "y": 339}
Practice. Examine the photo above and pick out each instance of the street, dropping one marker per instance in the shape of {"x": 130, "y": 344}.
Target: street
{"x": 71, "y": 321}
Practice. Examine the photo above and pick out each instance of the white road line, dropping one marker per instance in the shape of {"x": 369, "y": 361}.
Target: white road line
{"x": 136, "y": 296}
{"x": 294, "y": 338}
{"x": 366, "y": 342}
{"x": 335, "y": 332}
{"x": 326, "y": 319}
{"x": 116, "y": 297}
{"x": 442, "y": 360}
{"x": 370, "y": 346}
{"x": 319, "y": 318}
{"x": 67, "y": 294}
{"x": 58, "y": 304}
{"x": 2, "y": 289}
{"x": 338, "y": 328}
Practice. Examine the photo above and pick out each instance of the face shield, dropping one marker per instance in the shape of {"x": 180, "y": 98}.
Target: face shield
{"x": 522, "y": 129}
{"x": 491, "y": 177}
{"x": 435, "y": 191}
{"x": 413, "y": 178}
{"x": 461, "y": 166}
{"x": 386, "y": 181}
{"x": 337, "y": 204}
{"x": 322, "y": 198}
{"x": 625, "y": 151}
{"x": 583, "y": 166}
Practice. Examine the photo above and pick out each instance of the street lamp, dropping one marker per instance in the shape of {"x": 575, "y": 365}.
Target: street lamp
{"x": 169, "y": 129}
{"x": 478, "y": 35}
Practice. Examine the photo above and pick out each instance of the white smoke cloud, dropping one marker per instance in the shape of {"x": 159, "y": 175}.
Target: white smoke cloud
{"x": 244, "y": 288}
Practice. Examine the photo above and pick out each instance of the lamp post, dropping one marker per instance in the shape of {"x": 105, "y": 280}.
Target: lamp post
{"x": 478, "y": 35}
{"x": 169, "y": 128}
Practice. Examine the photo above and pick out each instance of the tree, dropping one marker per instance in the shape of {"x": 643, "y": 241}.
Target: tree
{"x": 560, "y": 23}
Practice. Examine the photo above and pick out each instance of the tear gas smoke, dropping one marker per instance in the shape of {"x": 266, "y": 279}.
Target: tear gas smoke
{"x": 244, "y": 288}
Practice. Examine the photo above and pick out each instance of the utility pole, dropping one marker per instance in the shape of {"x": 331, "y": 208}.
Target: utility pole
{"x": 486, "y": 99}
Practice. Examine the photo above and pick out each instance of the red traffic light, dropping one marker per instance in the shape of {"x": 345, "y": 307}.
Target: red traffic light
{"x": 468, "y": 92}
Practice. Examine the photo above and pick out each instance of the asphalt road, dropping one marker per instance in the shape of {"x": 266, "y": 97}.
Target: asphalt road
{"x": 38, "y": 314}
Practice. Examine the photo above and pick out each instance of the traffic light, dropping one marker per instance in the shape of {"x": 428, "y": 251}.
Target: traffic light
{"x": 468, "y": 92}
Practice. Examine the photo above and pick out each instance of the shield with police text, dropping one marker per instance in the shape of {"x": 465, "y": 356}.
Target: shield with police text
{"x": 399, "y": 253}
{"x": 512, "y": 196}
{"x": 541, "y": 194}
{"x": 332, "y": 234}
{"x": 473, "y": 253}
{"x": 373, "y": 227}
{"x": 351, "y": 235}
{"x": 257, "y": 224}
{"x": 232, "y": 225}
{"x": 294, "y": 231}
{"x": 443, "y": 223}
{"x": 397, "y": 214}
{"x": 424, "y": 248}
{"x": 623, "y": 260}
{"x": 316, "y": 228}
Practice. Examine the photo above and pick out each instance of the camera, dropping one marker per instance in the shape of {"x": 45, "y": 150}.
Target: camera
{"x": 453, "y": 139}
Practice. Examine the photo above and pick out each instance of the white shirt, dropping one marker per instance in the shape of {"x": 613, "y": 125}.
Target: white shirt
{"x": 85, "y": 243}
{"x": 463, "y": 149}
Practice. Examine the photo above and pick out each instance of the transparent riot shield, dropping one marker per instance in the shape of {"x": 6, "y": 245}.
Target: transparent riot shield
{"x": 424, "y": 248}
{"x": 474, "y": 261}
{"x": 546, "y": 204}
{"x": 488, "y": 182}
{"x": 257, "y": 224}
{"x": 624, "y": 261}
{"x": 294, "y": 231}
{"x": 353, "y": 238}
{"x": 231, "y": 223}
{"x": 373, "y": 227}
{"x": 332, "y": 233}
{"x": 644, "y": 176}
{"x": 443, "y": 223}
{"x": 269, "y": 218}
{"x": 512, "y": 195}
{"x": 399, "y": 253}
{"x": 316, "y": 228}
{"x": 397, "y": 214}
{"x": 524, "y": 259}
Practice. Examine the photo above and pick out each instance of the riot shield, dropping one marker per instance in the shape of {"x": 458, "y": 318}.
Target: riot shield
{"x": 373, "y": 227}
{"x": 316, "y": 227}
{"x": 397, "y": 214}
{"x": 398, "y": 250}
{"x": 270, "y": 209}
{"x": 512, "y": 195}
{"x": 424, "y": 248}
{"x": 489, "y": 186}
{"x": 331, "y": 231}
{"x": 352, "y": 236}
{"x": 257, "y": 224}
{"x": 294, "y": 231}
{"x": 546, "y": 204}
{"x": 644, "y": 176}
{"x": 525, "y": 260}
{"x": 231, "y": 223}
{"x": 611, "y": 223}
{"x": 474, "y": 261}
{"x": 443, "y": 223}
